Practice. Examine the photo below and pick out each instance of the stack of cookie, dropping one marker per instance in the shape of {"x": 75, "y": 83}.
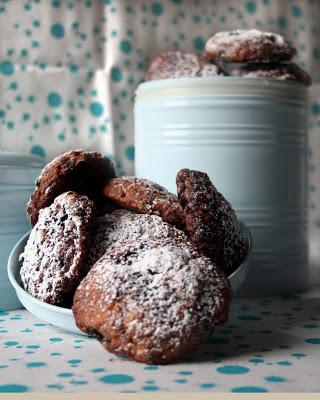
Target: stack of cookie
{"x": 243, "y": 53}
{"x": 145, "y": 271}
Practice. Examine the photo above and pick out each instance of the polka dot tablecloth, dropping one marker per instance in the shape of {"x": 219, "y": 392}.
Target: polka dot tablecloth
{"x": 268, "y": 345}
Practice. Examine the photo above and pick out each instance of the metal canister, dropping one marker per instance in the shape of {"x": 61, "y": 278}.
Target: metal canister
{"x": 17, "y": 176}
{"x": 250, "y": 136}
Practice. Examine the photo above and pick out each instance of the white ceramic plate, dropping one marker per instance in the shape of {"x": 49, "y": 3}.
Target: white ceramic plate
{"x": 63, "y": 317}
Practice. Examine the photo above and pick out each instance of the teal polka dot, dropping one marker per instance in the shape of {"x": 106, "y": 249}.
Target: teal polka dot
{"x": 185, "y": 372}
{"x": 57, "y": 31}
{"x": 151, "y": 367}
{"x": 296, "y": 11}
{"x": 316, "y": 108}
{"x": 298, "y": 355}
{"x": 7, "y": 68}
{"x": 282, "y": 22}
{"x": 38, "y": 151}
{"x": 74, "y": 362}
{"x": 251, "y": 7}
{"x": 73, "y": 68}
{"x": 10, "y": 344}
{"x": 117, "y": 379}
{"x": 54, "y": 99}
{"x": 181, "y": 380}
{"x": 249, "y": 389}
{"x": 198, "y": 43}
{"x": 14, "y": 388}
{"x": 275, "y": 379}
{"x": 97, "y": 370}
{"x": 233, "y": 369}
{"x": 313, "y": 340}
{"x": 207, "y": 385}
{"x": 130, "y": 153}
{"x": 156, "y": 9}
{"x": 37, "y": 364}
{"x": 96, "y": 109}
{"x": 65, "y": 375}
{"x": 284, "y": 363}
{"x": 150, "y": 388}
{"x": 125, "y": 46}
{"x": 2, "y": 113}
{"x": 116, "y": 74}
{"x": 256, "y": 361}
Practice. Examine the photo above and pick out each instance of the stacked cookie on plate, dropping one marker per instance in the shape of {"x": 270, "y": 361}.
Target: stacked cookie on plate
{"x": 243, "y": 53}
{"x": 145, "y": 271}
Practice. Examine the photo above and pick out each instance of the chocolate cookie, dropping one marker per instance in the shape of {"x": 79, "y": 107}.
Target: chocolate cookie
{"x": 248, "y": 46}
{"x": 179, "y": 64}
{"x": 211, "y": 223}
{"x": 152, "y": 304}
{"x": 80, "y": 171}
{"x": 123, "y": 226}
{"x": 54, "y": 258}
{"x": 288, "y": 72}
{"x": 146, "y": 197}
{"x": 173, "y": 64}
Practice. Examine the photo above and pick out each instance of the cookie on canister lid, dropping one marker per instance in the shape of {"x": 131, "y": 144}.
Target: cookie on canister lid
{"x": 180, "y": 64}
{"x": 173, "y": 64}
{"x": 80, "y": 171}
{"x": 54, "y": 258}
{"x": 124, "y": 226}
{"x": 150, "y": 302}
{"x": 146, "y": 197}
{"x": 285, "y": 71}
{"x": 210, "y": 221}
{"x": 248, "y": 46}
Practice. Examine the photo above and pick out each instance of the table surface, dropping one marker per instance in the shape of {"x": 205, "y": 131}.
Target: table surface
{"x": 269, "y": 344}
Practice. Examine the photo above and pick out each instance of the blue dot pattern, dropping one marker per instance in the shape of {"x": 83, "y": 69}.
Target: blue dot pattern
{"x": 275, "y": 352}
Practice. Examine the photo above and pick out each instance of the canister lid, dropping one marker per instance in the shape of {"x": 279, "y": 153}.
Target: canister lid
{"x": 20, "y": 160}
{"x": 222, "y": 86}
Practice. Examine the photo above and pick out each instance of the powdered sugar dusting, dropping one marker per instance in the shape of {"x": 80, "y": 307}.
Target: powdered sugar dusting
{"x": 122, "y": 226}
{"x": 54, "y": 254}
{"x": 241, "y": 45}
{"x": 172, "y": 295}
{"x": 144, "y": 196}
{"x": 291, "y": 72}
{"x": 211, "y": 222}
{"x": 173, "y": 64}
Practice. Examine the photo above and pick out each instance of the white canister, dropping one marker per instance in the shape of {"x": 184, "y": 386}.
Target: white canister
{"x": 17, "y": 176}
{"x": 250, "y": 136}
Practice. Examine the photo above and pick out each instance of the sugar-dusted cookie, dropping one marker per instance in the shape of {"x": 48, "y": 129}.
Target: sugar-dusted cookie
{"x": 152, "y": 302}
{"x": 54, "y": 258}
{"x": 144, "y": 196}
{"x": 285, "y": 71}
{"x": 210, "y": 221}
{"x": 123, "y": 226}
{"x": 248, "y": 46}
{"x": 180, "y": 64}
{"x": 173, "y": 64}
